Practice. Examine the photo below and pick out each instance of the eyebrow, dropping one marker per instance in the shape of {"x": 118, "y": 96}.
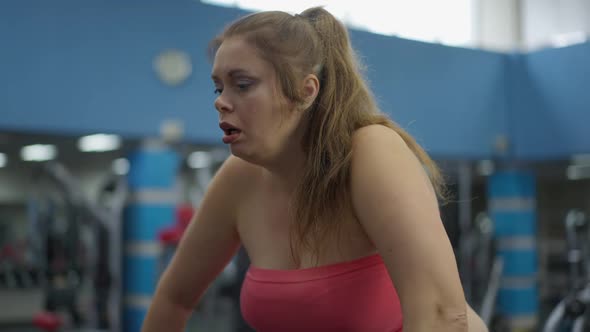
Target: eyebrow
{"x": 232, "y": 72}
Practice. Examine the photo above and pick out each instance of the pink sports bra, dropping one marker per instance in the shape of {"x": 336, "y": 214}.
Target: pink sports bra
{"x": 355, "y": 296}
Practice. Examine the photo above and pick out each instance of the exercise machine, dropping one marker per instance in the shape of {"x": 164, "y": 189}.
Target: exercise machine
{"x": 80, "y": 238}
{"x": 572, "y": 313}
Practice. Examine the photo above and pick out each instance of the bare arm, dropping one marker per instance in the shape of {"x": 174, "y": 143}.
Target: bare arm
{"x": 209, "y": 243}
{"x": 475, "y": 323}
{"x": 395, "y": 202}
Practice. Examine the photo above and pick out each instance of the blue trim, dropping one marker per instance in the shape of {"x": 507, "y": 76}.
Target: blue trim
{"x": 153, "y": 169}
{"x": 133, "y": 319}
{"x": 518, "y": 302}
{"x": 511, "y": 184}
{"x": 517, "y": 263}
{"x": 517, "y": 223}
{"x": 140, "y": 274}
{"x": 143, "y": 222}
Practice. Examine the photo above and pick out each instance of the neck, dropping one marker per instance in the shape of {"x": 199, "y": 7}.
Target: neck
{"x": 286, "y": 171}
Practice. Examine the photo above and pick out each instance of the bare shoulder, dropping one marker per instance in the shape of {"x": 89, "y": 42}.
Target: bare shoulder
{"x": 374, "y": 140}
{"x": 229, "y": 187}
{"x": 372, "y": 130}
{"x": 235, "y": 175}
{"x": 374, "y": 136}
{"x": 382, "y": 159}
{"x": 235, "y": 167}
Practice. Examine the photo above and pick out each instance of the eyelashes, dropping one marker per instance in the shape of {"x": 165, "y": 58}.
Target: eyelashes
{"x": 240, "y": 87}
{"x": 243, "y": 86}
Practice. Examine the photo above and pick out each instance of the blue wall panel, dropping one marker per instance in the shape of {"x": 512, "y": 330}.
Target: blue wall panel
{"x": 551, "y": 114}
{"x": 442, "y": 95}
{"x": 79, "y": 67}
{"x": 82, "y": 67}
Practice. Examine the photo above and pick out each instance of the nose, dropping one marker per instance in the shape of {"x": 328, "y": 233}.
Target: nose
{"x": 222, "y": 104}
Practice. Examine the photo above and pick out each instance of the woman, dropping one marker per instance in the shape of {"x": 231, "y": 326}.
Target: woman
{"x": 328, "y": 196}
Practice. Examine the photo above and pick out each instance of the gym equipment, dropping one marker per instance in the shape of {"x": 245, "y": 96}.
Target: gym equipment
{"x": 480, "y": 267}
{"x": 7, "y": 270}
{"x": 58, "y": 230}
{"x": 482, "y": 270}
{"x": 487, "y": 310}
{"x": 572, "y": 313}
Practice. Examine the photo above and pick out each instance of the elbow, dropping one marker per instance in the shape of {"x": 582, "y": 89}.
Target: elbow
{"x": 174, "y": 296}
{"x": 184, "y": 301}
{"x": 452, "y": 319}
{"x": 476, "y": 324}
{"x": 458, "y": 319}
{"x": 438, "y": 318}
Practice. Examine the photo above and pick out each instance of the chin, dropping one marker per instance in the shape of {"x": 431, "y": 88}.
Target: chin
{"x": 249, "y": 156}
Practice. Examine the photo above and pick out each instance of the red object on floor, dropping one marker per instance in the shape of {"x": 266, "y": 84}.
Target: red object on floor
{"x": 47, "y": 321}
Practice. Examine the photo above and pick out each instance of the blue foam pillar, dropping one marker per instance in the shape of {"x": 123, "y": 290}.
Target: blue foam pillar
{"x": 153, "y": 198}
{"x": 512, "y": 207}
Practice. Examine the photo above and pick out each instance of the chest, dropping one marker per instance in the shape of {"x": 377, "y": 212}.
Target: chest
{"x": 266, "y": 214}
{"x": 264, "y": 225}
{"x": 265, "y": 221}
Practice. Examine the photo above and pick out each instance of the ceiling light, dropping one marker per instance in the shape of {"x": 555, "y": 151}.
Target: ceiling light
{"x": 99, "y": 143}
{"x": 581, "y": 159}
{"x": 38, "y": 152}
{"x": 578, "y": 172}
{"x": 2, "y": 159}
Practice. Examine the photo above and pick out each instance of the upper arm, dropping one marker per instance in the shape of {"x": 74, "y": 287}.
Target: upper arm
{"x": 396, "y": 204}
{"x": 210, "y": 241}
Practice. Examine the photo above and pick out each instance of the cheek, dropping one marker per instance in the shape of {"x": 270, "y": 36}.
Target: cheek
{"x": 285, "y": 128}
{"x": 265, "y": 117}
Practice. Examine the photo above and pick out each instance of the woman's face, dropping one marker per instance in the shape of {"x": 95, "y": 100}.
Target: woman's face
{"x": 256, "y": 119}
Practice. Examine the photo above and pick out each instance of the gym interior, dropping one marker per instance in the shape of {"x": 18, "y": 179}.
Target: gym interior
{"x": 109, "y": 139}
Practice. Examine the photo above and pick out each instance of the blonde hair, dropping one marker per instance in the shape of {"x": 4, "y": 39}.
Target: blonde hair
{"x": 316, "y": 42}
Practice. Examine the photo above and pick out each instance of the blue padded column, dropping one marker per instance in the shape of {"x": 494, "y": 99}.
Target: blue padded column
{"x": 512, "y": 207}
{"x": 152, "y": 178}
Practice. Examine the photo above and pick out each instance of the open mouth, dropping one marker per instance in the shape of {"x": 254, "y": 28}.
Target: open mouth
{"x": 231, "y": 132}
{"x": 229, "y": 129}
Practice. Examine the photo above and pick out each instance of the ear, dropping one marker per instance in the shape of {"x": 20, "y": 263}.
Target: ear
{"x": 311, "y": 88}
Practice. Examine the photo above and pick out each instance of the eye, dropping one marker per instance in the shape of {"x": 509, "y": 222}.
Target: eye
{"x": 217, "y": 91}
{"x": 243, "y": 86}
